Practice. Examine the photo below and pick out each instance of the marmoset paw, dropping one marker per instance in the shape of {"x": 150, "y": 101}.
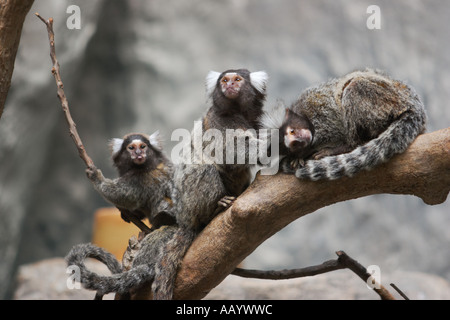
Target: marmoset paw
{"x": 93, "y": 173}
{"x": 226, "y": 201}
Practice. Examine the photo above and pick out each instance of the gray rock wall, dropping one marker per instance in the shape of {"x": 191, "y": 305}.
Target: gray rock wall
{"x": 140, "y": 66}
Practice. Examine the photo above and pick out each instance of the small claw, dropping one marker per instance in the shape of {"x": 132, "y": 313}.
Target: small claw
{"x": 319, "y": 155}
{"x": 297, "y": 163}
{"x": 226, "y": 201}
{"x": 294, "y": 163}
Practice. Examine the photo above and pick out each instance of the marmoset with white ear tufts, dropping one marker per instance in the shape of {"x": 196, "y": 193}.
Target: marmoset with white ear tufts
{"x": 347, "y": 125}
{"x": 144, "y": 187}
{"x": 237, "y": 98}
{"x": 195, "y": 192}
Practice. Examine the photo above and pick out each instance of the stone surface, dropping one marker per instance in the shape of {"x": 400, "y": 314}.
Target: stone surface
{"x": 51, "y": 280}
{"x": 47, "y": 280}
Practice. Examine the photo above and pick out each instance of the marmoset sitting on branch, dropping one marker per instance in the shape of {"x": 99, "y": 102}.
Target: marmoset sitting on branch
{"x": 335, "y": 129}
{"x": 237, "y": 99}
{"x": 145, "y": 185}
{"x": 346, "y": 125}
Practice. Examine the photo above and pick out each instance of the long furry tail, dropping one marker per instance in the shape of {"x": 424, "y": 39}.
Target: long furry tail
{"x": 395, "y": 139}
{"x": 117, "y": 282}
{"x": 166, "y": 268}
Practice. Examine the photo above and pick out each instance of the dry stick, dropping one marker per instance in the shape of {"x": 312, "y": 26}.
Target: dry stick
{"x": 343, "y": 262}
{"x": 359, "y": 269}
{"x": 400, "y": 292}
{"x": 62, "y": 97}
{"x": 72, "y": 126}
{"x": 327, "y": 266}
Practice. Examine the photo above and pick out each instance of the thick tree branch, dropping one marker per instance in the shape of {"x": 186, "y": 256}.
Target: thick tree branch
{"x": 272, "y": 202}
{"x": 12, "y": 16}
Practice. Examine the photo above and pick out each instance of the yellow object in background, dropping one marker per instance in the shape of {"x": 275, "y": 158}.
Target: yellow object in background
{"x": 111, "y": 232}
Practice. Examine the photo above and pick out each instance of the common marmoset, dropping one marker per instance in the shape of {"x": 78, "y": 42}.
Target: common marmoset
{"x": 237, "y": 98}
{"x": 347, "y": 124}
{"x": 237, "y": 101}
{"x": 145, "y": 186}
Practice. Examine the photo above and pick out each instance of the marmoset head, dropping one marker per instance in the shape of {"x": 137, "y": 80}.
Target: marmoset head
{"x": 296, "y": 133}
{"x": 136, "y": 150}
{"x": 232, "y": 82}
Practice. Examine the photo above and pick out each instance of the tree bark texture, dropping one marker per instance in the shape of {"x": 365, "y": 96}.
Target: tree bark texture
{"x": 272, "y": 202}
{"x": 12, "y": 16}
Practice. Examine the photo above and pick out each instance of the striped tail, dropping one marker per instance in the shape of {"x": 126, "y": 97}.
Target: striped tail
{"x": 394, "y": 140}
{"x": 167, "y": 267}
{"x": 117, "y": 282}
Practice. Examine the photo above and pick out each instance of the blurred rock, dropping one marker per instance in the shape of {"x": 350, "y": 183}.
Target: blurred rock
{"x": 336, "y": 285}
{"x": 47, "y": 280}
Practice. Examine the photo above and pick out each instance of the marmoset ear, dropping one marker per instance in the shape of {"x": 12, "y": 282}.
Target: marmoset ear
{"x": 211, "y": 81}
{"x": 259, "y": 79}
{"x": 115, "y": 145}
{"x": 155, "y": 140}
{"x": 274, "y": 117}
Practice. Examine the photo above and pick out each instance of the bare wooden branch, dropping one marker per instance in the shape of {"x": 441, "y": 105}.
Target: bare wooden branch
{"x": 12, "y": 16}
{"x": 272, "y": 202}
{"x": 327, "y": 266}
{"x": 342, "y": 262}
{"x": 361, "y": 271}
{"x": 72, "y": 126}
{"x": 62, "y": 96}
{"x": 400, "y": 292}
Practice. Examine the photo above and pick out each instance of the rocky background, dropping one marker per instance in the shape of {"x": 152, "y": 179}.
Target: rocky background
{"x": 139, "y": 65}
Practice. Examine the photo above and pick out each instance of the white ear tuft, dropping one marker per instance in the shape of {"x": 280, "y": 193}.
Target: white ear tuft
{"x": 211, "y": 81}
{"x": 115, "y": 145}
{"x": 274, "y": 117}
{"x": 156, "y": 140}
{"x": 259, "y": 80}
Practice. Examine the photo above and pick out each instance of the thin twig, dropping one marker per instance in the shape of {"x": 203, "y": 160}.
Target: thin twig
{"x": 343, "y": 262}
{"x": 327, "y": 266}
{"x": 400, "y": 292}
{"x": 72, "y": 126}
{"x": 62, "y": 97}
{"x": 361, "y": 271}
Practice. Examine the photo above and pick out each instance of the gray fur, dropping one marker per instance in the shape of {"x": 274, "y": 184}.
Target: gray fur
{"x": 145, "y": 190}
{"x": 118, "y": 282}
{"x": 198, "y": 189}
{"x": 142, "y": 271}
{"x": 370, "y": 114}
{"x": 202, "y": 185}
{"x": 394, "y": 140}
{"x": 170, "y": 257}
